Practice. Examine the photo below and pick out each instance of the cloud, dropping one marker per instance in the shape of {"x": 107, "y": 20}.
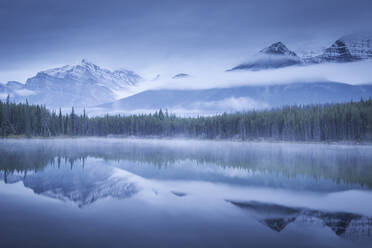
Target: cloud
{"x": 116, "y": 33}
{"x": 205, "y": 108}
{"x": 3, "y": 96}
{"x": 24, "y": 92}
{"x": 209, "y": 75}
{"x": 231, "y": 104}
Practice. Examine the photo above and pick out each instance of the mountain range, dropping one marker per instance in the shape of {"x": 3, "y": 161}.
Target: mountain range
{"x": 277, "y": 217}
{"x": 88, "y": 85}
{"x": 81, "y": 85}
{"x": 348, "y": 48}
{"x": 242, "y": 98}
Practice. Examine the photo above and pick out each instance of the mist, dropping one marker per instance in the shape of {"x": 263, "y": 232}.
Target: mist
{"x": 214, "y": 76}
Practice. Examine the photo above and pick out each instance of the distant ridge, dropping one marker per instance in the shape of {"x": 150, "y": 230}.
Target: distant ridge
{"x": 243, "y": 98}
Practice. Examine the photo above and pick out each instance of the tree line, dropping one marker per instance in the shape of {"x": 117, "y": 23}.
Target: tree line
{"x": 350, "y": 121}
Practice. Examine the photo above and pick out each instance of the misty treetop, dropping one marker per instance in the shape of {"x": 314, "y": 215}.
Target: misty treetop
{"x": 324, "y": 122}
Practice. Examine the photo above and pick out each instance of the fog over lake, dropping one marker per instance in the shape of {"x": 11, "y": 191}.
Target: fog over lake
{"x": 108, "y": 192}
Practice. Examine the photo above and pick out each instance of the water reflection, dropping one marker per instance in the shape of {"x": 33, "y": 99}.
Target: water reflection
{"x": 278, "y": 217}
{"x": 348, "y": 166}
{"x": 279, "y": 185}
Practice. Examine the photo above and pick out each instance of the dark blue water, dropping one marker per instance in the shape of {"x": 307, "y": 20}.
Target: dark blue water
{"x": 182, "y": 193}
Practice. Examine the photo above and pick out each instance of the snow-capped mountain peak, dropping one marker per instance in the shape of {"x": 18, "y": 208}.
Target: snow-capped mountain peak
{"x": 88, "y": 63}
{"x": 59, "y": 72}
{"x": 130, "y": 77}
{"x": 359, "y": 44}
{"x": 348, "y": 48}
{"x": 90, "y": 72}
{"x": 277, "y": 55}
{"x": 83, "y": 84}
{"x": 278, "y": 48}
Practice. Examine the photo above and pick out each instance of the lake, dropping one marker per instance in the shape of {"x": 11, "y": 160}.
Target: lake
{"x": 108, "y": 192}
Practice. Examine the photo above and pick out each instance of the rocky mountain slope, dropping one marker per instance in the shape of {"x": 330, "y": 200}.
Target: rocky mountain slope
{"x": 81, "y": 85}
{"x": 275, "y": 56}
{"x": 348, "y": 48}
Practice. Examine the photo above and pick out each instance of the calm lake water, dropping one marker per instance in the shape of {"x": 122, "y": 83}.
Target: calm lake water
{"x": 181, "y": 193}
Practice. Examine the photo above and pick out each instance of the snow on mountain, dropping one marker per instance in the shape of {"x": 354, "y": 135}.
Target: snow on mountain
{"x": 278, "y": 48}
{"x": 359, "y": 45}
{"x": 348, "y": 48}
{"x": 337, "y": 52}
{"x": 275, "y": 56}
{"x": 84, "y": 84}
{"x": 115, "y": 80}
{"x": 307, "y": 53}
{"x": 14, "y": 85}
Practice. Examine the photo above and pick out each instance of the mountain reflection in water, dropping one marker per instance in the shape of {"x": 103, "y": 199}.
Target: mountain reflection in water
{"x": 277, "y": 217}
{"x": 281, "y": 185}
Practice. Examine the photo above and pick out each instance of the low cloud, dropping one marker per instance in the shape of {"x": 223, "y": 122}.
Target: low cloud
{"x": 3, "y": 96}
{"x": 24, "y": 92}
{"x": 230, "y": 105}
{"x": 209, "y": 76}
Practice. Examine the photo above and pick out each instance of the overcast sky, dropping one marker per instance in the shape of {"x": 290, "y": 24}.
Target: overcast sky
{"x": 158, "y": 36}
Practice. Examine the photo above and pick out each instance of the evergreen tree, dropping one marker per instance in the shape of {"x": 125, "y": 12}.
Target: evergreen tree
{"x": 328, "y": 122}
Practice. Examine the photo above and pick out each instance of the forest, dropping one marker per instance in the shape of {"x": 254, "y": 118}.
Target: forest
{"x": 350, "y": 121}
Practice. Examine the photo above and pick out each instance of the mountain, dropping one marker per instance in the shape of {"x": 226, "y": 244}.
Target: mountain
{"x": 181, "y": 75}
{"x": 11, "y": 88}
{"x": 4, "y": 91}
{"x": 275, "y": 56}
{"x": 278, "y": 217}
{"x": 84, "y": 84}
{"x": 337, "y": 52}
{"x": 81, "y": 187}
{"x": 242, "y": 98}
{"x": 348, "y": 48}
{"x": 359, "y": 45}
{"x": 14, "y": 85}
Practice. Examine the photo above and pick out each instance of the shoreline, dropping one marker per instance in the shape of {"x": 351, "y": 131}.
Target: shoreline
{"x": 184, "y": 138}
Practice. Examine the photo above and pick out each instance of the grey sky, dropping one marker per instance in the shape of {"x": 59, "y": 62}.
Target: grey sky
{"x": 150, "y": 35}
